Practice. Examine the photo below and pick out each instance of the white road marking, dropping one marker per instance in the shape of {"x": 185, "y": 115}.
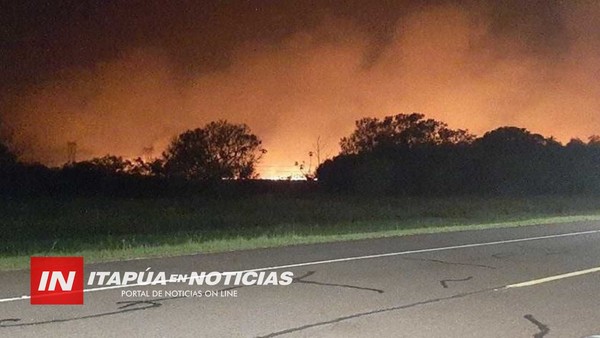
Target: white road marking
{"x": 354, "y": 258}
{"x": 6, "y": 300}
{"x": 552, "y": 278}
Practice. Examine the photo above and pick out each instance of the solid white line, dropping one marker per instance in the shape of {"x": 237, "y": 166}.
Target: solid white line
{"x": 552, "y": 278}
{"x": 444, "y": 248}
{"x": 354, "y": 258}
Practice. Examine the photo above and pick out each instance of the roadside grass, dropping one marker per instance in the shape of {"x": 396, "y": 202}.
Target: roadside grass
{"x": 116, "y": 229}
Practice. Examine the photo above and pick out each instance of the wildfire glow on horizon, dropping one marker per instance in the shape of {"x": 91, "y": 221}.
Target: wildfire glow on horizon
{"x": 124, "y": 80}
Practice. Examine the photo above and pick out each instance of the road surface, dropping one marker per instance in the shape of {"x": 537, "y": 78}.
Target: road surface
{"x": 538, "y": 281}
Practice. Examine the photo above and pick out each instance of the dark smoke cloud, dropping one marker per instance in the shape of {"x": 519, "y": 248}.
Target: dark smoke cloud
{"x": 122, "y": 77}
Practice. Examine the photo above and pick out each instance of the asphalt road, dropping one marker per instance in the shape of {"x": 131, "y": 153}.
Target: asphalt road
{"x": 491, "y": 283}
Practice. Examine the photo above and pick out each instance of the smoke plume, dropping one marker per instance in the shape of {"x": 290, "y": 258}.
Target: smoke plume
{"x": 476, "y": 65}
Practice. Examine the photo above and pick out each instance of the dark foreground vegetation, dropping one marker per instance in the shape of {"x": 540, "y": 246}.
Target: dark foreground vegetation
{"x": 401, "y": 172}
{"x": 402, "y": 155}
{"x": 410, "y": 155}
{"x": 50, "y": 225}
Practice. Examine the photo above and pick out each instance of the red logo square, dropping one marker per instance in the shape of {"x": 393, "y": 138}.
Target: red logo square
{"x": 56, "y": 280}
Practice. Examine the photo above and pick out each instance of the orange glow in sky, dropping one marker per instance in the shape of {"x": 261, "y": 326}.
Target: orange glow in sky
{"x": 441, "y": 60}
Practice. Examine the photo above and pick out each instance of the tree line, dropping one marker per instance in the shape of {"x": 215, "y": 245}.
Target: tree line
{"x": 194, "y": 160}
{"x": 408, "y": 154}
{"x": 404, "y": 154}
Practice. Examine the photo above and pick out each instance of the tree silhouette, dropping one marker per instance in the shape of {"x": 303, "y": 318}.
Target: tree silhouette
{"x": 402, "y": 130}
{"x": 220, "y": 150}
{"x": 114, "y": 165}
{"x": 576, "y": 143}
{"x": 410, "y": 155}
{"x": 594, "y": 141}
{"x": 513, "y": 139}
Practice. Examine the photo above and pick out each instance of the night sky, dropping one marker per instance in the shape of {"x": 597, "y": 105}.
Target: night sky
{"x": 119, "y": 77}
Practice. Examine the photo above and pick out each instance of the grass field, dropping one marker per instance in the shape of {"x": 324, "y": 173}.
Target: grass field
{"x": 103, "y": 229}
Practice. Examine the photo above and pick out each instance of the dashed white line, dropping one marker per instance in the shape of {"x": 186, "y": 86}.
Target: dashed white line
{"x": 552, "y": 278}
